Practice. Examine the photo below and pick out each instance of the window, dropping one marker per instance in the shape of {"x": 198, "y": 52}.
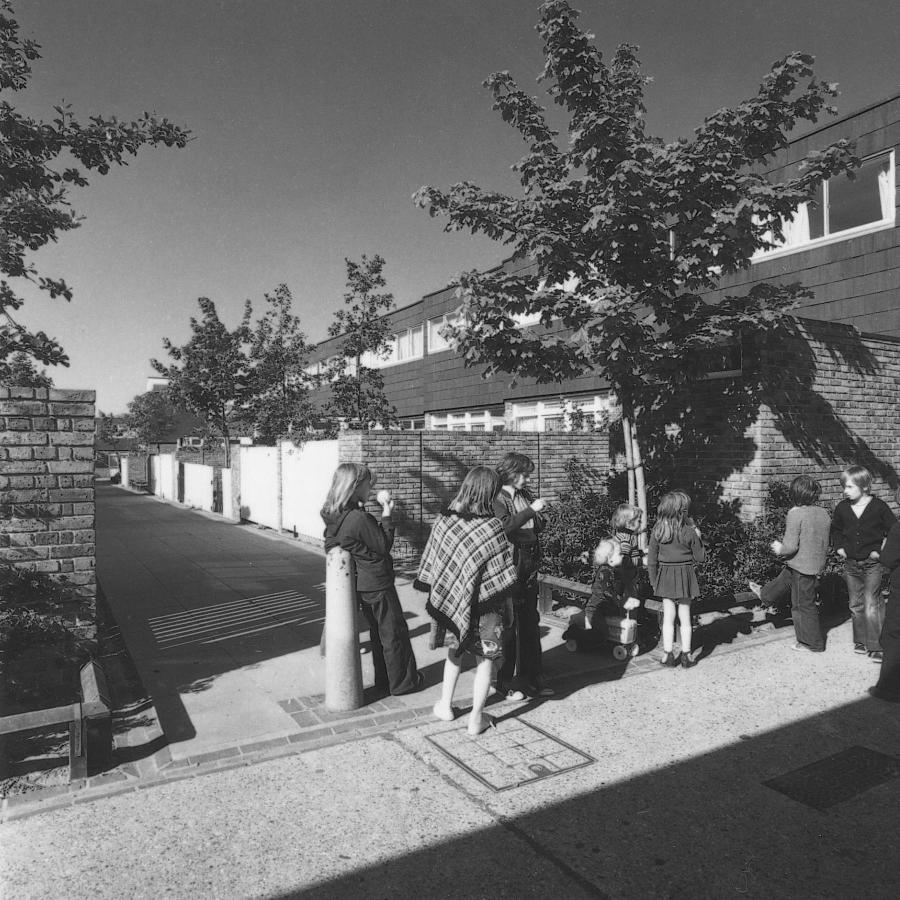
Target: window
{"x": 843, "y": 208}
{"x": 436, "y": 342}
{"x": 557, "y": 415}
{"x": 399, "y": 348}
{"x": 482, "y": 420}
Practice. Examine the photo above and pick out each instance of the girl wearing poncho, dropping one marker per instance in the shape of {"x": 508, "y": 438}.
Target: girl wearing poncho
{"x": 467, "y": 568}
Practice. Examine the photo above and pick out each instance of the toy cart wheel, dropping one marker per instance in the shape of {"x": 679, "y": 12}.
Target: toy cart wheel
{"x": 635, "y": 649}
{"x": 571, "y": 645}
{"x": 619, "y": 652}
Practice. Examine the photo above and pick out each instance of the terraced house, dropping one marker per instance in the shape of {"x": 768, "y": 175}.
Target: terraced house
{"x": 845, "y": 248}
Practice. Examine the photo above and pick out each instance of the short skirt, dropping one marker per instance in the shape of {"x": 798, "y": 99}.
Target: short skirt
{"x": 677, "y": 581}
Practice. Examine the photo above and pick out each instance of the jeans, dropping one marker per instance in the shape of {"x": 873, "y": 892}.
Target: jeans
{"x": 804, "y": 611}
{"x": 392, "y": 653}
{"x": 863, "y": 578}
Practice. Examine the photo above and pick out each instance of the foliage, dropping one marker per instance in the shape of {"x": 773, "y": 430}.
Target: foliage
{"x": 574, "y": 525}
{"x": 21, "y": 370}
{"x": 209, "y": 373}
{"x": 39, "y": 654}
{"x": 357, "y": 390}
{"x": 35, "y": 179}
{"x": 626, "y": 231}
{"x": 277, "y": 395}
{"x": 151, "y": 415}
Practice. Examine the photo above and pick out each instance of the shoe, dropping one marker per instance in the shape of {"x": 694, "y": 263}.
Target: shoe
{"x": 687, "y": 661}
{"x": 859, "y": 648}
{"x": 876, "y": 655}
{"x": 539, "y": 690}
{"x": 509, "y": 693}
{"x": 669, "y": 659}
{"x": 755, "y": 589}
{"x": 879, "y": 694}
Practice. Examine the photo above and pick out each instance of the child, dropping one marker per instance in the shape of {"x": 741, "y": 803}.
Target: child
{"x": 888, "y": 684}
{"x": 606, "y": 597}
{"x": 675, "y": 546}
{"x": 348, "y": 525}
{"x": 804, "y": 548}
{"x": 467, "y": 568}
{"x": 859, "y": 527}
{"x": 625, "y": 525}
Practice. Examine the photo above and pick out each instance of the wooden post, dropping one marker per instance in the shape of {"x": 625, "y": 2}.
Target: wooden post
{"x": 343, "y": 672}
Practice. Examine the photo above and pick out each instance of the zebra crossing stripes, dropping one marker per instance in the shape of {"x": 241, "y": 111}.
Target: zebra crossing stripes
{"x": 235, "y": 618}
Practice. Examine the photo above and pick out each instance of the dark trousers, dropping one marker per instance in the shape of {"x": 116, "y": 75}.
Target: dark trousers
{"x": 392, "y": 653}
{"x": 804, "y": 611}
{"x": 889, "y": 678}
{"x": 863, "y": 578}
{"x": 522, "y": 642}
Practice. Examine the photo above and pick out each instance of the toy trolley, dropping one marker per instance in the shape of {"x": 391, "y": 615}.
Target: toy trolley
{"x": 620, "y": 631}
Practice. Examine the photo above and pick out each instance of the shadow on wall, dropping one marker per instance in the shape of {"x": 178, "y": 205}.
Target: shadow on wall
{"x": 697, "y": 438}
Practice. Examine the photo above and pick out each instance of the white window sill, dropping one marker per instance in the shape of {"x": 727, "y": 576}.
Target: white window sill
{"x": 847, "y": 235}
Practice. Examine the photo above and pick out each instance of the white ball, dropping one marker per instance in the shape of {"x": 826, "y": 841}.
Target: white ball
{"x": 384, "y": 497}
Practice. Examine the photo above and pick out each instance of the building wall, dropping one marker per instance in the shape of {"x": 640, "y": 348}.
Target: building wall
{"x": 423, "y": 470}
{"x": 47, "y": 490}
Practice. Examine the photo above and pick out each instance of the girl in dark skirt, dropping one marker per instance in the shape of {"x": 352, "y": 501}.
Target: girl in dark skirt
{"x": 675, "y": 547}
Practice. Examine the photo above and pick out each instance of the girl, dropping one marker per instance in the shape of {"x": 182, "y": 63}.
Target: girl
{"x": 349, "y": 526}
{"x": 606, "y": 597}
{"x": 804, "y": 548}
{"x": 625, "y": 525}
{"x": 519, "y": 512}
{"x": 888, "y": 686}
{"x": 858, "y": 529}
{"x": 675, "y": 547}
{"x": 467, "y": 568}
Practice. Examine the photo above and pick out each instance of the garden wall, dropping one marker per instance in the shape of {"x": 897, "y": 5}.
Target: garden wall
{"x": 47, "y": 491}
{"x": 423, "y": 469}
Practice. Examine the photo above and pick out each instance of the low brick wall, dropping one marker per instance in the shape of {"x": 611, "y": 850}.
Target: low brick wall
{"x": 424, "y": 469}
{"x": 47, "y": 490}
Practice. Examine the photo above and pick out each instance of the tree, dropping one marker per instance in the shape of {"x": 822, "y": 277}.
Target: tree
{"x": 34, "y": 206}
{"x": 21, "y": 370}
{"x": 357, "y": 390}
{"x": 627, "y": 231}
{"x": 209, "y": 373}
{"x": 151, "y": 415}
{"x": 277, "y": 396}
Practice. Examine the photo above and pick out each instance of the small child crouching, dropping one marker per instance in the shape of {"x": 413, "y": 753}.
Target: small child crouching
{"x": 606, "y": 599}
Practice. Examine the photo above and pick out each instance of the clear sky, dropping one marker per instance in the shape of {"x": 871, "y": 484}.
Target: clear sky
{"x": 316, "y": 120}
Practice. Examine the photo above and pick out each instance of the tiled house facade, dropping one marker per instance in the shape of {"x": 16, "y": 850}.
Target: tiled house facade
{"x": 846, "y": 249}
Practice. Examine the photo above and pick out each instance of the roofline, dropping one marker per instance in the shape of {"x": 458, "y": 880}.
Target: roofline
{"x": 851, "y": 115}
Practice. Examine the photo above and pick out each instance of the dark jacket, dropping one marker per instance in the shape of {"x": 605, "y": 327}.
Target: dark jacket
{"x": 368, "y": 543}
{"x": 605, "y": 599}
{"x": 859, "y": 536}
{"x": 890, "y": 559}
{"x": 526, "y": 547}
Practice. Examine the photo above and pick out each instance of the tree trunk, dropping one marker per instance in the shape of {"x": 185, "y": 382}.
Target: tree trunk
{"x": 640, "y": 485}
{"x": 629, "y": 457}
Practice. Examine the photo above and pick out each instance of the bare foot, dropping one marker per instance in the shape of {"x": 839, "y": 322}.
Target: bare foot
{"x": 444, "y": 713}
{"x": 480, "y": 725}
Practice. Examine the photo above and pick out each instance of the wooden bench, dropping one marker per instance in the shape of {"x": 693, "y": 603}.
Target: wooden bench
{"x": 89, "y": 721}
{"x": 547, "y": 584}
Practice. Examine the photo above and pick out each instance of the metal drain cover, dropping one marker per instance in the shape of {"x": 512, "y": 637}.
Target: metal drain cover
{"x": 837, "y": 778}
{"x": 512, "y": 754}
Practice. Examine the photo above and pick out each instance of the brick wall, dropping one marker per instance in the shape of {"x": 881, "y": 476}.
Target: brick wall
{"x": 423, "y": 469}
{"x": 47, "y": 490}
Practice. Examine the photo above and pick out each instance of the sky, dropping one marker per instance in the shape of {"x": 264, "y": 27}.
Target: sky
{"x": 314, "y": 121}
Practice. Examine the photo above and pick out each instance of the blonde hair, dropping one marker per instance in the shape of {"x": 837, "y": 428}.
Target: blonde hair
{"x": 626, "y": 517}
{"x": 859, "y": 475}
{"x": 604, "y": 550}
{"x": 344, "y": 487}
{"x": 671, "y": 516}
{"x": 476, "y": 494}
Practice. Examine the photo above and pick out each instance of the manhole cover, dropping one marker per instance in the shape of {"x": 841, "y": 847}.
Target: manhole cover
{"x": 837, "y": 778}
{"x": 510, "y": 755}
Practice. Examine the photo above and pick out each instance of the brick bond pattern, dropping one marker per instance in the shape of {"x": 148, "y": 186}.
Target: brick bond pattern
{"x": 423, "y": 469}
{"x": 47, "y": 490}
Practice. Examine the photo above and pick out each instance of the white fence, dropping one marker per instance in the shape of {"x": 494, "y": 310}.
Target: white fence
{"x": 280, "y": 487}
{"x": 261, "y": 486}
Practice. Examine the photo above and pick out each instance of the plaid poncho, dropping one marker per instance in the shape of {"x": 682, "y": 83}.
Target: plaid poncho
{"x": 467, "y": 567}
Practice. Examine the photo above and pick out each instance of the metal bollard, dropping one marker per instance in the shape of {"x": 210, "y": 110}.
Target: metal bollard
{"x": 343, "y": 673}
